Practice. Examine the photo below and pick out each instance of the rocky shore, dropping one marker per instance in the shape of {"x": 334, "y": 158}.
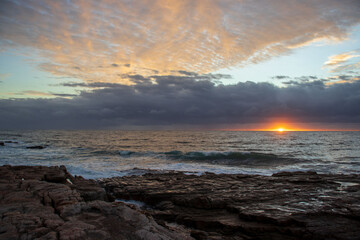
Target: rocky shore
{"x": 49, "y": 203}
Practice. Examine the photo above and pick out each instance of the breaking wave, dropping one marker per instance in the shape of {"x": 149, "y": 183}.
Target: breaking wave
{"x": 231, "y": 158}
{"x": 212, "y": 157}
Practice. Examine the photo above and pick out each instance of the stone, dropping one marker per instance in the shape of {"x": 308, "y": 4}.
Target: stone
{"x": 49, "y": 203}
{"x": 39, "y": 203}
{"x": 287, "y": 205}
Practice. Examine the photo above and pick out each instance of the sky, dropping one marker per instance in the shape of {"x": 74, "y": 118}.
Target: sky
{"x": 169, "y": 64}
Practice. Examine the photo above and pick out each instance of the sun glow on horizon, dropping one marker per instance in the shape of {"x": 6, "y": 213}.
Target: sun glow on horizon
{"x": 287, "y": 126}
{"x": 283, "y": 126}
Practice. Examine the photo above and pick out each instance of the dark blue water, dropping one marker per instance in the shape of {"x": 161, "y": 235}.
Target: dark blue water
{"x": 96, "y": 154}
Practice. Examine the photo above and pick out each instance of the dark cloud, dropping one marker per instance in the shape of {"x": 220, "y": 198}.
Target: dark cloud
{"x": 291, "y": 82}
{"x": 63, "y": 95}
{"x": 280, "y": 77}
{"x": 186, "y": 73}
{"x": 313, "y": 81}
{"x": 140, "y": 79}
{"x": 345, "y": 77}
{"x": 90, "y": 85}
{"x": 353, "y": 72}
{"x": 296, "y": 79}
{"x": 74, "y": 84}
{"x": 188, "y": 76}
{"x": 307, "y": 83}
{"x": 136, "y": 78}
{"x": 305, "y": 78}
{"x": 175, "y": 102}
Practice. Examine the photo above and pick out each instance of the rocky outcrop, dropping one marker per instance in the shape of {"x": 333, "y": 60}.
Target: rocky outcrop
{"x": 48, "y": 203}
{"x": 296, "y": 205}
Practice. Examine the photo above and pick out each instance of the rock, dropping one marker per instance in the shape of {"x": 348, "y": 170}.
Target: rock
{"x": 36, "y": 147}
{"x": 287, "y": 205}
{"x": 2, "y": 144}
{"x": 49, "y": 203}
{"x": 39, "y": 203}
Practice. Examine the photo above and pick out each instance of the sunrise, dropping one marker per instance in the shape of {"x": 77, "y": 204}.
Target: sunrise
{"x": 169, "y": 119}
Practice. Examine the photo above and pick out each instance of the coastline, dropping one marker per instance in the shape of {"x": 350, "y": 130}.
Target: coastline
{"x": 49, "y": 203}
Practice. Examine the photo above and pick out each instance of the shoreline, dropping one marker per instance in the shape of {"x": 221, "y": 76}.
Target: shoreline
{"x": 49, "y": 203}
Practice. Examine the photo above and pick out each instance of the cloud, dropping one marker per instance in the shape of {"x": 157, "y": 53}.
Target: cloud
{"x": 339, "y": 59}
{"x": 339, "y": 79}
{"x": 173, "y": 103}
{"x": 65, "y": 95}
{"x": 351, "y": 77}
{"x": 38, "y": 94}
{"x": 89, "y": 85}
{"x": 280, "y": 77}
{"x": 343, "y": 61}
{"x": 137, "y": 79}
{"x": 147, "y": 36}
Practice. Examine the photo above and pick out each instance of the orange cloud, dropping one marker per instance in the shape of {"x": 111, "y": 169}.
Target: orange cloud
{"x": 28, "y": 93}
{"x": 342, "y": 79}
{"x": 105, "y": 40}
{"x": 342, "y": 62}
{"x": 32, "y": 93}
{"x": 336, "y": 60}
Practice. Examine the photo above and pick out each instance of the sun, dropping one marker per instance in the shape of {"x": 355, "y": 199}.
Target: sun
{"x": 280, "y": 130}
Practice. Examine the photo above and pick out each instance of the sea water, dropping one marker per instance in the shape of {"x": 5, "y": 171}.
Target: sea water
{"x": 98, "y": 154}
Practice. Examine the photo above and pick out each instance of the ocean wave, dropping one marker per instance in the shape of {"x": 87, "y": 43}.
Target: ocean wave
{"x": 231, "y": 157}
{"x": 10, "y": 135}
{"x": 125, "y": 152}
{"x": 112, "y": 152}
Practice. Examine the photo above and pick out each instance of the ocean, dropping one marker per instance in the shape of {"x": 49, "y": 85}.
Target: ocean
{"x": 100, "y": 154}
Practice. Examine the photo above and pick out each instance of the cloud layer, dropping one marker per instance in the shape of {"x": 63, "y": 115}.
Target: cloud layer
{"x": 173, "y": 102}
{"x": 103, "y": 40}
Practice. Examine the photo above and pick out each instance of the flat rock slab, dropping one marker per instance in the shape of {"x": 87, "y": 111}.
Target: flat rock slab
{"x": 48, "y": 203}
{"x": 287, "y": 205}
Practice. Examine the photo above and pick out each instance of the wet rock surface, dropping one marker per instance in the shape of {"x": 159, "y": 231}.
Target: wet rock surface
{"x": 48, "y": 203}
{"x": 299, "y": 205}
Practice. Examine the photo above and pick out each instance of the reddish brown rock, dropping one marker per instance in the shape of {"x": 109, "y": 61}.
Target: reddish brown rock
{"x": 49, "y": 203}
{"x": 300, "y": 205}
